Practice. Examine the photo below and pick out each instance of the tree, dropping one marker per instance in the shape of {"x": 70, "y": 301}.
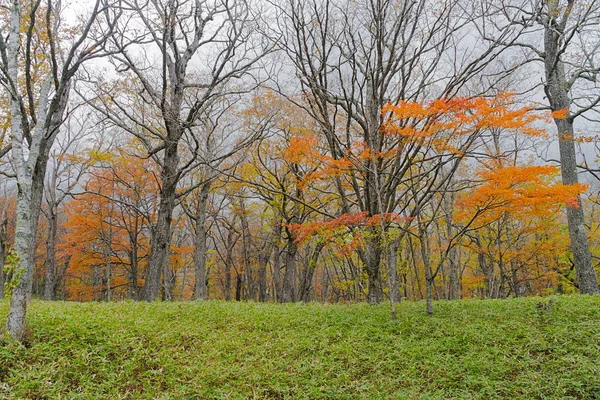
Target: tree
{"x": 439, "y": 136}
{"x": 108, "y": 227}
{"x": 67, "y": 169}
{"x": 37, "y": 109}
{"x": 218, "y": 140}
{"x": 277, "y": 170}
{"x": 161, "y": 103}
{"x": 353, "y": 58}
{"x": 568, "y": 53}
{"x": 515, "y": 209}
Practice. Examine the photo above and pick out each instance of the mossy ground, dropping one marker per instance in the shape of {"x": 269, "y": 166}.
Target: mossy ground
{"x": 470, "y": 349}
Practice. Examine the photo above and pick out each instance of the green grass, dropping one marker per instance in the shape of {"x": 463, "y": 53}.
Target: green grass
{"x": 503, "y": 349}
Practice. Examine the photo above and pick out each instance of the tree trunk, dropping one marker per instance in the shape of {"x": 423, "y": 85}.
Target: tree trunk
{"x": 50, "y": 281}
{"x": 227, "y": 283}
{"x": 200, "y": 244}
{"x": 277, "y": 286}
{"x": 428, "y": 287}
{"x": 580, "y": 247}
{"x": 393, "y": 271}
{"x": 238, "y": 287}
{"x": 324, "y": 285}
{"x": 453, "y": 262}
{"x": 228, "y": 263}
{"x": 246, "y": 250}
{"x": 515, "y": 283}
{"x": 309, "y": 272}
{"x": 3, "y": 250}
{"x": 289, "y": 278}
{"x": 23, "y": 273}
{"x": 167, "y": 274}
{"x": 108, "y": 274}
{"x": 488, "y": 277}
{"x": 373, "y": 196}
{"x": 557, "y": 91}
{"x": 60, "y": 279}
{"x": 263, "y": 261}
{"x": 372, "y": 259}
{"x": 425, "y": 255}
{"x": 162, "y": 230}
{"x": 30, "y": 191}
{"x": 453, "y": 283}
{"x": 2, "y": 259}
{"x": 134, "y": 291}
{"x": 410, "y": 249}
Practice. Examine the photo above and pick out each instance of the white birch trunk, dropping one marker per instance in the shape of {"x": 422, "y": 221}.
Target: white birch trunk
{"x": 24, "y": 165}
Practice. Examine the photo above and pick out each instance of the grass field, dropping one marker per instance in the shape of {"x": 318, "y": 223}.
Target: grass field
{"x": 471, "y": 349}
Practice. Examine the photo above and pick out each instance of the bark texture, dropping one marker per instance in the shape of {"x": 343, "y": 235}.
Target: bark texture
{"x": 200, "y": 247}
{"x": 557, "y": 92}
{"x": 50, "y": 281}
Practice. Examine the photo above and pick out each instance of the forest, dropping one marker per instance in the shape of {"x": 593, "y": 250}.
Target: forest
{"x": 286, "y": 151}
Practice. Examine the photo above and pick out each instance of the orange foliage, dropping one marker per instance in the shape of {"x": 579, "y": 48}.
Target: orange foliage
{"x": 106, "y": 226}
{"x": 457, "y": 117}
{"x": 438, "y": 124}
{"x": 300, "y": 149}
{"x": 516, "y": 213}
{"x": 527, "y": 190}
{"x": 341, "y": 224}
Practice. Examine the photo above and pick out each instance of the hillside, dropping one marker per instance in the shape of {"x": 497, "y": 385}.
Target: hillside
{"x": 215, "y": 350}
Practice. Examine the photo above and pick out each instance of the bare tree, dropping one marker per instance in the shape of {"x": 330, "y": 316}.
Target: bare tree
{"x": 217, "y": 141}
{"x": 562, "y": 36}
{"x": 159, "y": 44}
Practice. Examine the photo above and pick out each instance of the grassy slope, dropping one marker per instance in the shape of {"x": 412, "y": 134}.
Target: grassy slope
{"x": 468, "y": 349}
